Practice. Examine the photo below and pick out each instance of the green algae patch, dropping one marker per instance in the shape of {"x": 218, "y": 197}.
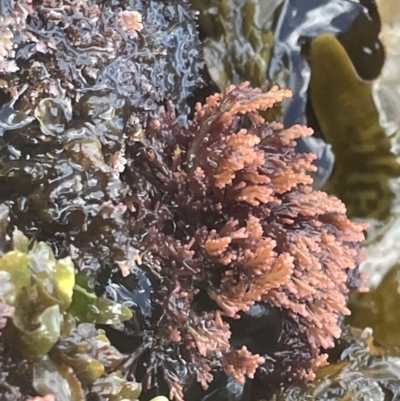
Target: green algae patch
{"x": 35, "y": 342}
{"x": 14, "y": 266}
{"x": 40, "y": 289}
{"x": 87, "y": 307}
{"x": 57, "y": 354}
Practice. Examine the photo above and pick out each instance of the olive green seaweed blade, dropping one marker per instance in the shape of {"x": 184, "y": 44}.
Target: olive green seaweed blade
{"x": 349, "y": 120}
{"x": 38, "y": 342}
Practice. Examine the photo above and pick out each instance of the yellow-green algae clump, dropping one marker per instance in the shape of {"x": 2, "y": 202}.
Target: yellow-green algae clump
{"x": 48, "y": 351}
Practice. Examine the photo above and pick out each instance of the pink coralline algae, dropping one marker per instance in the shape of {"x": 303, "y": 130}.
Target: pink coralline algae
{"x": 227, "y": 221}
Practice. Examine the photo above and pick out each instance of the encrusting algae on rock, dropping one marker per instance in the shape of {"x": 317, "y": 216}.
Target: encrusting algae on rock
{"x": 144, "y": 51}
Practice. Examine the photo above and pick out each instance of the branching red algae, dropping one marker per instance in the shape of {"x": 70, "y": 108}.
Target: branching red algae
{"x": 225, "y": 211}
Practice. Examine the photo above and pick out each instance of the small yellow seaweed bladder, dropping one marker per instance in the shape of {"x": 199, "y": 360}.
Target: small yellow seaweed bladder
{"x": 349, "y": 119}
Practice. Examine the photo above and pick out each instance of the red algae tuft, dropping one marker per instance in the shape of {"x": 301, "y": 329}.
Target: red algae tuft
{"x": 226, "y": 214}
